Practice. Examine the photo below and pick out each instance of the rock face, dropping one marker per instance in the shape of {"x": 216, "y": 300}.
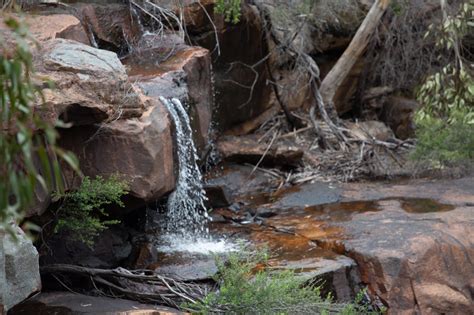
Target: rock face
{"x": 19, "y": 269}
{"x": 242, "y": 92}
{"x": 140, "y": 149}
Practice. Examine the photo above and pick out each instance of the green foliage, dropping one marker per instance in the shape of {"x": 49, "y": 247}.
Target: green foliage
{"x": 444, "y": 143}
{"x": 445, "y": 123}
{"x": 82, "y": 209}
{"x": 247, "y": 287}
{"x": 27, "y": 142}
{"x": 230, "y": 9}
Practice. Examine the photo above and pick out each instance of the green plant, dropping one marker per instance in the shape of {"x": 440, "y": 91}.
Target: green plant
{"x": 230, "y": 9}
{"x": 445, "y": 122}
{"x": 28, "y": 151}
{"x": 246, "y": 286}
{"x": 81, "y": 210}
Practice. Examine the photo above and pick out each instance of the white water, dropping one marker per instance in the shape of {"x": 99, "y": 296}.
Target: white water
{"x": 201, "y": 245}
{"x": 186, "y": 213}
{"x": 186, "y": 216}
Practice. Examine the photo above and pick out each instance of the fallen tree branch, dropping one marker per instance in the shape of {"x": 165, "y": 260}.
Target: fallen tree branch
{"x": 154, "y": 288}
{"x": 338, "y": 74}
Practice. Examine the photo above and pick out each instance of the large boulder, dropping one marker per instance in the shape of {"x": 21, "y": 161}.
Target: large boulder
{"x": 416, "y": 263}
{"x": 90, "y": 85}
{"x": 19, "y": 269}
{"x": 44, "y": 27}
{"x": 67, "y": 26}
{"x": 140, "y": 149}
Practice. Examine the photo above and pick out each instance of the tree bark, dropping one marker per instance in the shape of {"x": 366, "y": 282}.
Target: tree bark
{"x": 335, "y": 78}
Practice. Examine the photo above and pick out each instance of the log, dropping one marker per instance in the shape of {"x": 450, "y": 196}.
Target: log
{"x": 249, "y": 150}
{"x": 335, "y": 78}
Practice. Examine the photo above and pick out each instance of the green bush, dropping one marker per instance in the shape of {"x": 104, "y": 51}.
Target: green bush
{"x": 81, "y": 210}
{"x": 247, "y": 287}
{"x": 444, "y": 143}
{"x": 230, "y": 9}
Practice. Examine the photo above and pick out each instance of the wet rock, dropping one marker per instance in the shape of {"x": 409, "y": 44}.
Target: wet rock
{"x": 248, "y": 150}
{"x": 19, "y": 269}
{"x": 139, "y": 149}
{"x": 240, "y": 182}
{"x": 110, "y": 249}
{"x": 186, "y": 75}
{"x": 457, "y": 192}
{"x": 90, "y": 85}
{"x": 188, "y": 268}
{"x": 72, "y": 303}
{"x": 146, "y": 255}
{"x": 217, "y": 196}
{"x": 308, "y": 195}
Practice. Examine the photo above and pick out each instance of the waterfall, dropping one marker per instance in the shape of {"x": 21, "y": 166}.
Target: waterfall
{"x": 186, "y": 211}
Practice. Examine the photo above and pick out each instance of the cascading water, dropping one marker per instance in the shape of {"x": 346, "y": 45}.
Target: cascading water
{"x": 186, "y": 217}
{"x": 186, "y": 210}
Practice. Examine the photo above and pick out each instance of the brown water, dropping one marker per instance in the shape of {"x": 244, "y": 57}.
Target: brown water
{"x": 422, "y": 205}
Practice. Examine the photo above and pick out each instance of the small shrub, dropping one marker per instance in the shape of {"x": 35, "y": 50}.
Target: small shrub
{"x": 230, "y": 9}
{"x": 444, "y": 143}
{"x": 82, "y": 209}
{"x": 247, "y": 287}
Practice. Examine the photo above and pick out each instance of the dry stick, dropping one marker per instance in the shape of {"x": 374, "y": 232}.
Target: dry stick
{"x": 217, "y": 46}
{"x": 294, "y": 133}
{"x": 264, "y": 153}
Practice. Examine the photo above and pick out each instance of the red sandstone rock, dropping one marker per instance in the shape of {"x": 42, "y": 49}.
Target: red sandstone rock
{"x": 140, "y": 149}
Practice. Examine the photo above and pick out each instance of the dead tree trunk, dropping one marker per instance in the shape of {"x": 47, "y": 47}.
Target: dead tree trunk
{"x": 335, "y": 78}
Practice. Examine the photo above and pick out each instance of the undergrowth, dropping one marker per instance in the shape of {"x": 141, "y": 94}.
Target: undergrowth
{"x": 82, "y": 211}
{"x": 246, "y": 286}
